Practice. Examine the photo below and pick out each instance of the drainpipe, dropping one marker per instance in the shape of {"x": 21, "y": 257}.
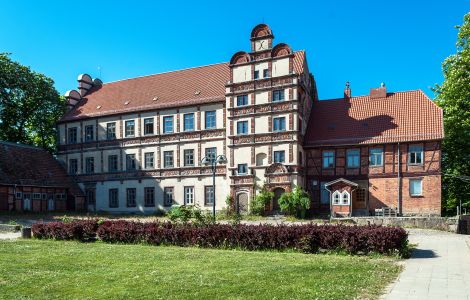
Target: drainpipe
{"x": 399, "y": 182}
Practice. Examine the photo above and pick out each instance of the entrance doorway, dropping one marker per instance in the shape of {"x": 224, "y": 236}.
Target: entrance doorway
{"x": 277, "y": 194}
{"x": 242, "y": 203}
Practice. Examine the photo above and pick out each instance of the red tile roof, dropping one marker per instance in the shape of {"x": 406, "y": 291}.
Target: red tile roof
{"x": 186, "y": 87}
{"x": 31, "y": 166}
{"x": 400, "y": 117}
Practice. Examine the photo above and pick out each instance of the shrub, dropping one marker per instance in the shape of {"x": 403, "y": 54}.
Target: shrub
{"x": 258, "y": 204}
{"x": 83, "y": 230}
{"x": 187, "y": 213}
{"x": 296, "y": 202}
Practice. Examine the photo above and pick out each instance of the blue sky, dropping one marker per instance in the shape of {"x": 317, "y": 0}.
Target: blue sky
{"x": 401, "y": 43}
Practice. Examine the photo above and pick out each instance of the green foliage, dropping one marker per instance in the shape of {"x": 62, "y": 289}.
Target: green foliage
{"x": 29, "y": 105}
{"x": 186, "y": 213}
{"x": 454, "y": 98}
{"x": 295, "y": 202}
{"x": 263, "y": 197}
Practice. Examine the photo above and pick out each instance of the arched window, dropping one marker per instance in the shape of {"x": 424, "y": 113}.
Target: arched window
{"x": 261, "y": 159}
{"x": 345, "y": 198}
{"x": 336, "y": 198}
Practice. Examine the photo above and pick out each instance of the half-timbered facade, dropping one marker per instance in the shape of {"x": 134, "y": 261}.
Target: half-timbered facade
{"x": 136, "y": 145}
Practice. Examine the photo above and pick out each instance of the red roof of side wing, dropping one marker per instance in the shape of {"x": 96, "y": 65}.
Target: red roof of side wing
{"x": 399, "y": 117}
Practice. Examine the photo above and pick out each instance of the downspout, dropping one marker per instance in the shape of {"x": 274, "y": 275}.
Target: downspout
{"x": 399, "y": 181}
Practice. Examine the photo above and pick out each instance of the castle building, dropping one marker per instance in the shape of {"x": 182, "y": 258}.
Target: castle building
{"x": 136, "y": 145}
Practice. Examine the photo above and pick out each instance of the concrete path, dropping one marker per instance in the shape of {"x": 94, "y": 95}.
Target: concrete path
{"x": 9, "y": 235}
{"x": 438, "y": 269}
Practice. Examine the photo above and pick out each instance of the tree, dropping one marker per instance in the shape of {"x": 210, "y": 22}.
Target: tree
{"x": 296, "y": 202}
{"x": 454, "y": 98}
{"x": 29, "y": 105}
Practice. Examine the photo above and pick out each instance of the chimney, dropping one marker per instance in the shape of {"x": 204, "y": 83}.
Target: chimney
{"x": 380, "y": 92}
{"x": 85, "y": 83}
{"x": 347, "y": 91}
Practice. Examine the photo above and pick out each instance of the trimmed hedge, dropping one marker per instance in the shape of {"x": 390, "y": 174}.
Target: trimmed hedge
{"x": 307, "y": 238}
{"x": 83, "y": 230}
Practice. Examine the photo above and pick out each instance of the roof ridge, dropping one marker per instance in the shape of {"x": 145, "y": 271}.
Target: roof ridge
{"x": 22, "y": 145}
{"x": 166, "y": 72}
{"x": 362, "y": 96}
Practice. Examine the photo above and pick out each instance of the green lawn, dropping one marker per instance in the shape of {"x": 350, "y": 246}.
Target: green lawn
{"x": 34, "y": 269}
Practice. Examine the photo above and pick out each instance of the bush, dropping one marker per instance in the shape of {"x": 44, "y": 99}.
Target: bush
{"x": 190, "y": 213}
{"x": 306, "y": 238}
{"x": 83, "y": 230}
{"x": 258, "y": 204}
{"x": 296, "y": 202}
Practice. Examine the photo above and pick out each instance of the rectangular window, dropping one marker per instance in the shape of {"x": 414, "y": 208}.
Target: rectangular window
{"x": 279, "y": 156}
{"x": 256, "y": 74}
{"x": 209, "y": 195}
{"x": 188, "y": 195}
{"x": 148, "y": 126}
{"x": 242, "y": 169}
{"x": 89, "y": 133}
{"x": 352, "y": 158}
{"x": 376, "y": 157}
{"x": 73, "y": 166}
{"x": 112, "y": 163}
{"x": 90, "y": 195}
{"x": 90, "y": 165}
{"x": 168, "y": 196}
{"x": 188, "y": 157}
{"x": 130, "y": 197}
{"x": 278, "y": 95}
{"x": 72, "y": 134}
{"x": 416, "y": 187}
{"x": 188, "y": 122}
{"x": 130, "y": 128}
{"x": 265, "y": 73}
{"x": 211, "y": 153}
{"x": 111, "y": 130}
{"x": 242, "y": 127}
{"x": 149, "y": 161}
{"x": 210, "y": 119}
{"x": 149, "y": 193}
{"x": 328, "y": 159}
{"x": 415, "y": 156}
{"x": 242, "y": 100}
{"x": 279, "y": 124}
{"x": 168, "y": 124}
{"x": 113, "y": 198}
{"x": 168, "y": 159}
{"x": 130, "y": 162}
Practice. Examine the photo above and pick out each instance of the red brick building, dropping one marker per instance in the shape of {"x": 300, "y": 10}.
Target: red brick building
{"x": 31, "y": 179}
{"x": 369, "y": 152}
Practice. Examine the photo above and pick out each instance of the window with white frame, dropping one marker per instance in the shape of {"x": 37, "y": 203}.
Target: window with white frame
{"x": 149, "y": 160}
{"x": 111, "y": 131}
{"x": 242, "y": 169}
{"x": 211, "y": 153}
{"x": 130, "y": 162}
{"x": 168, "y": 124}
{"x": 210, "y": 119}
{"x": 113, "y": 198}
{"x": 416, "y": 187}
{"x": 353, "y": 158}
{"x": 188, "y": 122}
{"x": 242, "y": 127}
{"x": 188, "y": 157}
{"x": 89, "y": 134}
{"x": 168, "y": 196}
{"x": 336, "y": 198}
{"x": 345, "y": 198}
{"x": 415, "y": 155}
{"x": 130, "y": 128}
{"x": 131, "y": 197}
{"x": 188, "y": 195}
{"x": 279, "y": 156}
{"x": 265, "y": 73}
{"x": 168, "y": 159}
{"x": 148, "y": 126}
{"x": 376, "y": 157}
{"x": 209, "y": 195}
{"x": 279, "y": 124}
{"x": 112, "y": 163}
{"x": 278, "y": 95}
{"x": 242, "y": 100}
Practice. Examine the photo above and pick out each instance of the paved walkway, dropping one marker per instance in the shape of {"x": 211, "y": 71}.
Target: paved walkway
{"x": 438, "y": 269}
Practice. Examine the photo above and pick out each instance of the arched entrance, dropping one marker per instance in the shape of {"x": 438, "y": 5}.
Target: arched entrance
{"x": 277, "y": 194}
{"x": 242, "y": 203}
